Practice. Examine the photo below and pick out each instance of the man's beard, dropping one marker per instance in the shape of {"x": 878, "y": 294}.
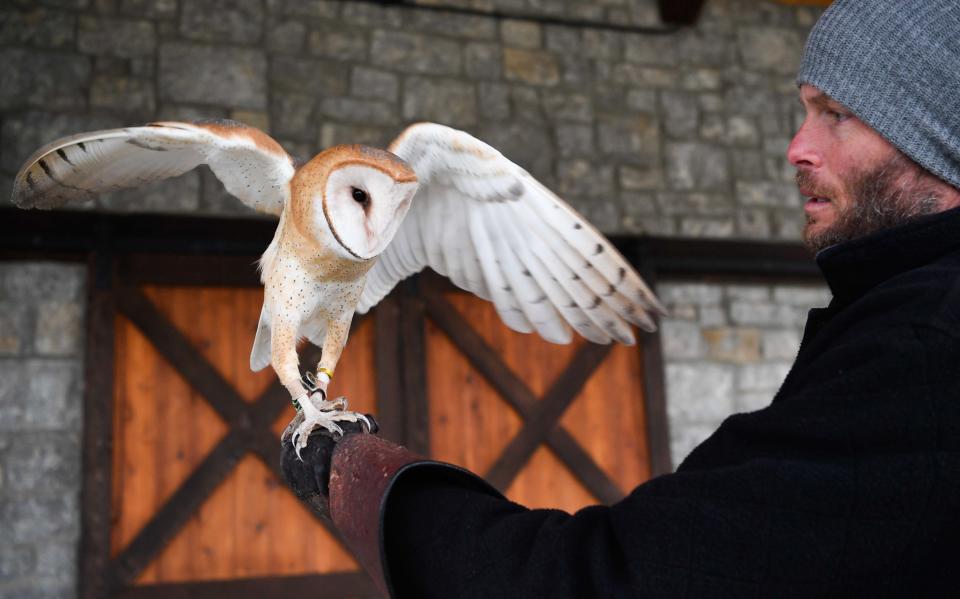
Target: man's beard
{"x": 894, "y": 193}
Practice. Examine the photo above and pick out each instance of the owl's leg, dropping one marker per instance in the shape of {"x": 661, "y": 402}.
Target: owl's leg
{"x": 324, "y": 413}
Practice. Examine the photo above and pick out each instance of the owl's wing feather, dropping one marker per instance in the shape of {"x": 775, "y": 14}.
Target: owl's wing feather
{"x": 494, "y": 230}
{"x": 251, "y": 165}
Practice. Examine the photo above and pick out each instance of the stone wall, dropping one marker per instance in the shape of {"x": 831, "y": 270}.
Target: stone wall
{"x": 727, "y": 349}
{"x": 41, "y": 387}
{"x": 680, "y": 133}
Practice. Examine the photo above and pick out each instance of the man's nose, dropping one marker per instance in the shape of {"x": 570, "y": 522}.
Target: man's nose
{"x": 803, "y": 149}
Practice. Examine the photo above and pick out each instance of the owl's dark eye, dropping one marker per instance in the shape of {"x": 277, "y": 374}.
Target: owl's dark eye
{"x": 360, "y": 196}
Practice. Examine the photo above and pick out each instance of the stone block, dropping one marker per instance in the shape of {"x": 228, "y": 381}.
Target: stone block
{"x": 42, "y": 464}
{"x": 631, "y": 74}
{"x": 561, "y": 39}
{"x": 342, "y": 133}
{"x": 185, "y": 112}
{"x": 415, "y": 53}
{"x": 575, "y": 71}
{"x": 765, "y": 193}
{"x": 339, "y": 43}
{"x": 649, "y": 225}
{"x": 753, "y": 223}
{"x": 233, "y": 21}
{"x": 747, "y": 164}
{"x": 355, "y": 110}
{"x": 253, "y": 118}
{"x": 642, "y": 100}
{"x": 374, "y": 83}
{"x": 111, "y": 36}
{"x": 53, "y": 396}
{"x": 650, "y": 50}
{"x": 56, "y": 561}
{"x": 766, "y": 314}
{"x": 690, "y": 293}
{"x": 195, "y": 73}
{"x": 568, "y": 107}
{"x": 463, "y": 26}
{"x": 762, "y": 377}
{"x": 178, "y": 194}
{"x": 780, "y": 344}
{"x": 633, "y": 139}
{"x": 494, "y": 101}
{"x": 322, "y": 9}
{"x": 701, "y": 80}
{"x": 483, "y": 60}
{"x": 641, "y": 177}
{"x": 600, "y": 44}
{"x": 773, "y": 49}
{"x": 713, "y": 316}
{"x": 53, "y": 81}
{"x": 748, "y": 293}
{"x": 154, "y": 9}
{"x": 530, "y": 66}
{"x": 34, "y": 588}
{"x": 703, "y": 48}
{"x": 638, "y": 205}
{"x": 286, "y": 37}
{"x": 37, "y": 27}
{"x": 32, "y": 282}
{"x": 788, "y": 224}
{"x": 699, "y": 391}
{"x": 309, "y": 76}
{"x": 804, "y": 296}
{"x": 370, "y": 14}
{"x": 521, "y": 34}
{"x": 124, "y": 95}
{"x": 36, "y": 519}
{"x": 735, "y": 345}
{"x": 583, "y": 178}
{"x": 449, "y": 101}
{"x": 694, "y": 204}
{"x": 16, "y": 561}
{"x": 720, "y": 228}
{"x": 680, "y": 114}
{"x": 574, "y": 139}
{"x": 681, "y": 340}
{"x": 525, "y": 104}
{"x": 693, "y": 165}
{"x": 16, "y": 325}
{"x": 59, "y": 329}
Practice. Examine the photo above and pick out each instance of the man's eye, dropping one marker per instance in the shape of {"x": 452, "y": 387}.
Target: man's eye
{"x": 837, "y": 116}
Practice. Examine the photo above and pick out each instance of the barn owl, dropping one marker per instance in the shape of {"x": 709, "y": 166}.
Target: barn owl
{"x": 356, "y": 220}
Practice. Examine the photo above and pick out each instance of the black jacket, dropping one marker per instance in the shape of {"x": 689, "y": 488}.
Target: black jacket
{"x": 847, "y": 485}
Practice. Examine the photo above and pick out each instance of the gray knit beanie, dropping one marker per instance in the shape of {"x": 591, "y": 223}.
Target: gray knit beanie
{"x": 896, "y": 65}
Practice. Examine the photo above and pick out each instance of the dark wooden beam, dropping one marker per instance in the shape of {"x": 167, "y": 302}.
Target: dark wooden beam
{"x": 414, "y": 368}
{"x": 97, "y": 486}
{"x": 679, "y": 12}
{"x": 337, "y": 585}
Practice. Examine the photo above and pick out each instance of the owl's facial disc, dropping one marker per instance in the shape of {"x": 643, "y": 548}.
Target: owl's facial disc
{"x": 363, "y": 207}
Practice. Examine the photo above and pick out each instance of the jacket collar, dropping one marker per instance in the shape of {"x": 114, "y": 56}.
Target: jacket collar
{"x": 854, "y": 267}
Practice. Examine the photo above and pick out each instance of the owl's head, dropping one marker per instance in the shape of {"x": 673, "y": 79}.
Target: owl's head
{"x": 360, "y": 195}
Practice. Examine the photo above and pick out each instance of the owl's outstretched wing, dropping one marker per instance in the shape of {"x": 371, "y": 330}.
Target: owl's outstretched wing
{"x": 250, "y": 164}
{"x": 490, "y": 227}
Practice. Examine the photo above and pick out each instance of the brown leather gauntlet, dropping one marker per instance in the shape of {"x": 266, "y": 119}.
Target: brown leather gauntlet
{"x": 364, "y": 470}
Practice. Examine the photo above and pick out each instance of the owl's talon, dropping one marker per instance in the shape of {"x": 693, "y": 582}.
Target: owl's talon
{"x": 323, "y": 418}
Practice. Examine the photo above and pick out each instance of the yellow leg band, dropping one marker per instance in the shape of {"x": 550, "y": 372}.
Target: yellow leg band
{"x": 326, "y": 372}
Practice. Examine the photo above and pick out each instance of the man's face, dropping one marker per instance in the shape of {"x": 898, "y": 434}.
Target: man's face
{"x": 855, "y": 182}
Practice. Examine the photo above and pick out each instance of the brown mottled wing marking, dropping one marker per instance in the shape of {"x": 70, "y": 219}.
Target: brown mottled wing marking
{"x": 251, "y": 165}
{"x": 489, "y": 226}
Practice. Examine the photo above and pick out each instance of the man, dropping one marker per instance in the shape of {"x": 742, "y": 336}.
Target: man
{"x": 848, "y": 484}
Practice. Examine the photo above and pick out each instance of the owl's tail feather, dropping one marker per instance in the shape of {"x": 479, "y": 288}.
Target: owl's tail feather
{"x": 260, "y": 355}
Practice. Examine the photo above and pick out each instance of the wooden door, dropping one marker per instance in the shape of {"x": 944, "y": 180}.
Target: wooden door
{"x": 182, "y": 495}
